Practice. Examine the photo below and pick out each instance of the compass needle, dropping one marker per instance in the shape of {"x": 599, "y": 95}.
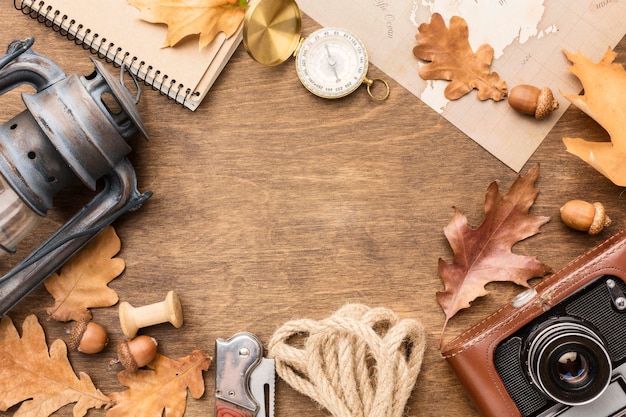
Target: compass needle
{"x": 332, "y": 63}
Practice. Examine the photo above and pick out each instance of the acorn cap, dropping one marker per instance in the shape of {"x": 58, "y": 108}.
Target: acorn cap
{"x": 600, "y": 219}
{"x": 77, "y": 333}
{"x": 125, "y": 357}
{"x": 546, "y": 103}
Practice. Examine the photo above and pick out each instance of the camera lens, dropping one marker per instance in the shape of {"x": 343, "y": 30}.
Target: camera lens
{"x": 572, "y": 367}
{"x": 569, "y": 363}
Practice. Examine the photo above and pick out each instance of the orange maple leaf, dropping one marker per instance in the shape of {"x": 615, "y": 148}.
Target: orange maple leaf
{"x": 604, "y": 86}
{"x": 42, "y": 380}
{"x": 82, "y": 282}
{"x": 163, "y": 387}
{"x": 192, "y": 17}
{"x": 451, "y": 58}
{"x": 484, "y": 254}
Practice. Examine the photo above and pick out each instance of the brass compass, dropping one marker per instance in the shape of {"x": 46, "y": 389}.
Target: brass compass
{"x": 330, "y": 62}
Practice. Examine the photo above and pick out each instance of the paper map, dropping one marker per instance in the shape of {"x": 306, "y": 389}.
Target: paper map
{"x": 528, "y": 37}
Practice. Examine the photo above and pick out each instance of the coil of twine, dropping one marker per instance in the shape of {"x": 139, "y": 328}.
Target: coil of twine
{"x": 359, "y": 362}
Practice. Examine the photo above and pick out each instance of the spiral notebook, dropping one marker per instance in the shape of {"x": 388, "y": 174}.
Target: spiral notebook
{"x": 112, "y": 29}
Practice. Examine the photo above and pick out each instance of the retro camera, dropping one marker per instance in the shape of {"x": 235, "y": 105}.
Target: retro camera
{"x": 557, "y": 350}
{"x": 570, "y": 355}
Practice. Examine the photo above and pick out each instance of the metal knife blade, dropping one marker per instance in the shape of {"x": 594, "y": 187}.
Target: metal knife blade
{"x": 244, "y": 380}
{"x": 262, "y": 387}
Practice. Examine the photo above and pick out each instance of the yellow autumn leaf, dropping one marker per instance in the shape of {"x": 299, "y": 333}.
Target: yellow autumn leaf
{"x": 604, "y": 86}
{"x": 449, "y": 56}
{"x": 183, "y": 18}
{"x": 82, "y": 281}
{"x": 161, "y": 387}
{"x": 41, "y": 379}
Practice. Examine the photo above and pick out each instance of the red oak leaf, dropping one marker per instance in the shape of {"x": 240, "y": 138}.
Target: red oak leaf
{"x": 483, "y": 255}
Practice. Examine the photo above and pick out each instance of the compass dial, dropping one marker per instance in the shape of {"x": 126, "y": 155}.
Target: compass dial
{"x": 331, "y": 63}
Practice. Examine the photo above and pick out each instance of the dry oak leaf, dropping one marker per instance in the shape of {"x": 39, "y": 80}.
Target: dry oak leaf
{"x": 451, "y": 58}
{"x": 163, "y": 387}
{"x": 483, "y": 255}
{"x": 604, "y": 86}
{"x": 42, "y": 380}
{"x": 183, "y": 18}
{"x": 82, "y": 282}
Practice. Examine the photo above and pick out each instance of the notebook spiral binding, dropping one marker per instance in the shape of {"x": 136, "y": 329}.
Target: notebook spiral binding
{"x": 82, "y": 36}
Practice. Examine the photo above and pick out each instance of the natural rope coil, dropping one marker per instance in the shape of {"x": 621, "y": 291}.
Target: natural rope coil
{"x": 359, "y": 362}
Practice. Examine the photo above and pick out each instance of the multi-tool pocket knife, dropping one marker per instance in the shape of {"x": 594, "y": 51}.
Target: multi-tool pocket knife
{"x": 244, "y": 379}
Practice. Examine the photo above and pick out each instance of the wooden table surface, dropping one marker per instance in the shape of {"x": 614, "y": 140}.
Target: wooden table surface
{"x": 271, "y": 204}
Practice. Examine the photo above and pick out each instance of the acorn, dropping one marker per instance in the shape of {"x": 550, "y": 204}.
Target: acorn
{"x": 136, "y": 353}
{"x": 531, "y": 100}
{"x": 584, "y": 216}
{"x": 88, "y": 337}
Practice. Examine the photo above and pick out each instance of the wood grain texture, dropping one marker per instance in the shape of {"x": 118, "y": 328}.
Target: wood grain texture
{"x": 271, "y": 204}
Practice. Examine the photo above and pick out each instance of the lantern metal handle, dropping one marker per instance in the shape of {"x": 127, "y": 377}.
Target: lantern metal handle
{"x": 22, "y": 66}
{"x": 16, "y": 49}
{"x": 119, "y": 195}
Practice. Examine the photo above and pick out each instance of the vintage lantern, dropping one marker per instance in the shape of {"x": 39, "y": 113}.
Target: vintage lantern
{"x": 73, "y": 127}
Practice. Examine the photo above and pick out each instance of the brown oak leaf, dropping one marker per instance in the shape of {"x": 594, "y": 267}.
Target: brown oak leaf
{"x": 451, "y": 58}
{"x": 483, "y": 255}
{"x": 604, "y": 86}
{"x": 82, "y": 282}
{"x": 206, "y": 18}
{"x": 162, "y": 387}
{"x": 43, "y": 381}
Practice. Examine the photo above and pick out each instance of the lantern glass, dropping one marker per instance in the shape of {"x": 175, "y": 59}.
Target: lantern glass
{"x": 16, "y": 218}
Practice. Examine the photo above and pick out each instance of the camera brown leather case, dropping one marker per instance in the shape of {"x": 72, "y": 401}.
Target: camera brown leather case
{"x": 471, "y": 355}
